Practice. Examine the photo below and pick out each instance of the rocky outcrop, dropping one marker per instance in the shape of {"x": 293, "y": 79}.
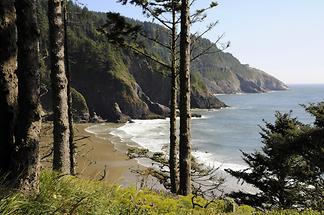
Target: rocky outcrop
{"x": 118, "y": 116}
{"x": 266, "y": 81}
{"x": 152, "y": 79}
{"x": 248, "y": 86}
{"x": 223, "y": 73}
{"x": 96, "y": 119}
{"x": 105, "y": 88}
{"x": 80, "y": 108}
{"x": 201, "y": 101}
{"x": 154, "y": 107}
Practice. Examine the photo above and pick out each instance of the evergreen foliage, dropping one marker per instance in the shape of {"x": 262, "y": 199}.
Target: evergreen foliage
{"x": 117, "y": 29}
{"x": 289, "y": 170}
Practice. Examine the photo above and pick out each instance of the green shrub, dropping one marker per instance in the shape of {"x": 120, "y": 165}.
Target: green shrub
{"x": 69, "y": 195}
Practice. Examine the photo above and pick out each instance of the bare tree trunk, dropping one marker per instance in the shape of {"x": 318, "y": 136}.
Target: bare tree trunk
{"x": 185, "y": 115}
{"x": 67, "y": 67}
{"x": 8, "y": 82}
{"x": 173, "y": 164}
{"x": 28, "y": 125}
{"x": 61, "y": 158}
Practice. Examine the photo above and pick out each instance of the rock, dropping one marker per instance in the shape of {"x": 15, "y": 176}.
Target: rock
{"x": 205, "y": 101}
{"x": 96, "y": 119}
{"x": 131, "y": 121}
{"x": 154, "y": 107}
{"x": 79, "y": 107}
{"x": 196, "y": 115}
{"x": 118, "y": 116}
{"x": 248, "y": 86}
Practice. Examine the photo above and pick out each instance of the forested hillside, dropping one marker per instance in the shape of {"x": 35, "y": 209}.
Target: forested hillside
{"x": 108, "y": 79}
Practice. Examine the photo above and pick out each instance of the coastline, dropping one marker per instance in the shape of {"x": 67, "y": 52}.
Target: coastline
{"x": 96, "y": 155}
{"x": 149, "y": 134}
{"x": 101, "y": 153}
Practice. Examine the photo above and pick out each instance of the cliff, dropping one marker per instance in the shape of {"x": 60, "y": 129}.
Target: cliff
{"x": 223, "y": 73}
{"x": 105, "y": 77}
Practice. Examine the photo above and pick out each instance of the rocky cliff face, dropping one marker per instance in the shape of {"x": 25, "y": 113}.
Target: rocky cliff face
{"x": 106, "y": 83}
{"x": 255, "y": 81}
{"x": 156, "y": 85}
{"x": 223, "y": 73}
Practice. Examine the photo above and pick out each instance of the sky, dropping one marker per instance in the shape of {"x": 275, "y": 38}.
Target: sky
{"x": 284, "y": 38}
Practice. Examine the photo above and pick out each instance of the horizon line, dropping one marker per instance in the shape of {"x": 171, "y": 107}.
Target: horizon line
{"x": 316, "y": 83}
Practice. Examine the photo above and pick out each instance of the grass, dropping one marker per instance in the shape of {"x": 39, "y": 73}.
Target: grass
{"x": 69, "y": 195}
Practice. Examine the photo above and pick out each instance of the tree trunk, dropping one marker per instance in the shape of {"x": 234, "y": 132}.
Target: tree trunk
{"x": 8, "y": 82}
{"x": 28, "y": 125}
{"x": 67, "y": 67}
{"x": 61, "y": 131}
{"x": 185, "y": 115}
{"x": 173, "y": 164}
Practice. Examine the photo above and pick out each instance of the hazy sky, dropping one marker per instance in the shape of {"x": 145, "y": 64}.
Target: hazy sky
{"x": 282, "y": 37}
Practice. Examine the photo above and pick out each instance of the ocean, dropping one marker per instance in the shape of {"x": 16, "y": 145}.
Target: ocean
{"x": 219, "y": 135}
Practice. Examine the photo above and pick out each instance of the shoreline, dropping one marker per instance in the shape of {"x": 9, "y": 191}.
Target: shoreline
{"x": 97, "y": 157}
{"x": 102, "y": 156}
{"x": 131, "y": 138}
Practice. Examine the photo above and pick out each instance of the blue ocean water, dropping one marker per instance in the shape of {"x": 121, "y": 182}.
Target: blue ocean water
{"x": 224, "y": 133}
{"x": 219, "y": 135}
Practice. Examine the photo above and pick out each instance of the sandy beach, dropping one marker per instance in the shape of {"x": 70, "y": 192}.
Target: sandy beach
{"x": 96, "y": 156}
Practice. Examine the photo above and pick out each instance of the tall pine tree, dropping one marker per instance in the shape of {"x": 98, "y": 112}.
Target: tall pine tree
{"x": 184, "y": 106}
{"x": 28, "y": 126}
{"x": 61, "y": 158}
{"x": 8, "y": 82}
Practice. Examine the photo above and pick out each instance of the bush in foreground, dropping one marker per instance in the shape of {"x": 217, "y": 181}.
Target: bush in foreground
{"x": 289, "y": 169}
{"x": 69, "y": 195}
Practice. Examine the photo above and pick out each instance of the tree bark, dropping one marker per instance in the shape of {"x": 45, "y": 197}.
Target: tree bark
{"x": 28, "y": 125}
{"x": 185, "y": 115}
{"x": 8, "y": 82}
{"x": 61, "y": 131}
{"x": 67, "y": 67}
{"x": 173, "y": 164}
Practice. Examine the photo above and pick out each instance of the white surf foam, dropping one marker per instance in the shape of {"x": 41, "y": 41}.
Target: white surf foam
{"x": 209, "y": 160}
{"x": 149, "y": 134}
{"x": 153, "y": 135}
{"x": 95, "y": 129}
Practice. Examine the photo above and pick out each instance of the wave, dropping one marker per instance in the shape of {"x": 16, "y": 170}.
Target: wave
{"x": 146, "y": 133}
{"x": 239, "y": 108}
{"x": 208, "y": 159}
{"x": 153, "y": 135}
{"x": 95, "y": 129}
